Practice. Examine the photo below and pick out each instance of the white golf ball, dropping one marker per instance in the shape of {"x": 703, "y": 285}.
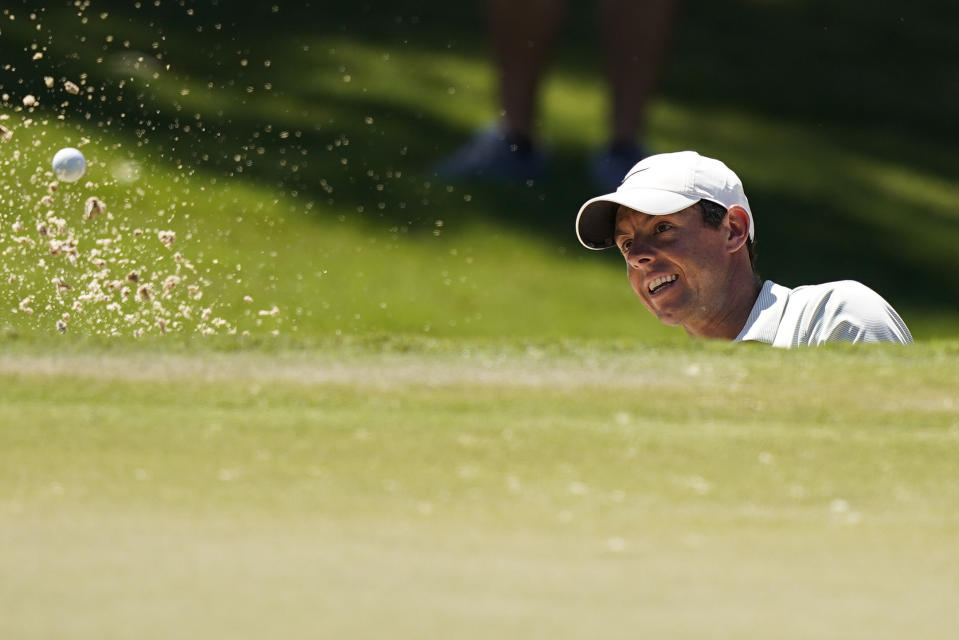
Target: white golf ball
{"x": 69, "y": 164}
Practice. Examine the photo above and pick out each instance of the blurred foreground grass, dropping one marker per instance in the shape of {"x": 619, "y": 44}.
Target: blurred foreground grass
{"x": 476, "y": 489}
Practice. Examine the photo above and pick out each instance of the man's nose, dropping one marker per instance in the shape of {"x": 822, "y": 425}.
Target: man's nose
{"x": 639, "y": 254}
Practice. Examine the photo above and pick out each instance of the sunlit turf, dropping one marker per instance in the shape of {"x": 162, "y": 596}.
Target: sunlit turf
{"x": 329, "y": 270}
{"x": 466, "y": 489}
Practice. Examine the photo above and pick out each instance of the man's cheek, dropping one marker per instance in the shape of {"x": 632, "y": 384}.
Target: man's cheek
{"x": 635, "y": 281}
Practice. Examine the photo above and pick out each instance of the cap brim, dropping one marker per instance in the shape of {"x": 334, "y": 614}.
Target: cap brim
{"x": 597, "y": 217}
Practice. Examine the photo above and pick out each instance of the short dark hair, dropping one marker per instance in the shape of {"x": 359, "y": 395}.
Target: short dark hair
{"x": 713, "y": 214}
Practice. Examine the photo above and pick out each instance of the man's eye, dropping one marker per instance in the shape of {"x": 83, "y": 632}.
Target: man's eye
{"x": 663, "y": 226}
{"x": 626, "y": 245}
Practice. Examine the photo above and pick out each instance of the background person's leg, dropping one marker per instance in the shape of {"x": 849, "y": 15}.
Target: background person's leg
{"x": 522, "y": 36}
{"x": 636, "y": 34}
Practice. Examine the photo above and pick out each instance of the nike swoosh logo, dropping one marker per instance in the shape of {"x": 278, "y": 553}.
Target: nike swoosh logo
{"x": 631, "y": 174}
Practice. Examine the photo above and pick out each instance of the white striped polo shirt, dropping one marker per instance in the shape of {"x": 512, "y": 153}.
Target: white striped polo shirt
{"x": 844, "y": 311}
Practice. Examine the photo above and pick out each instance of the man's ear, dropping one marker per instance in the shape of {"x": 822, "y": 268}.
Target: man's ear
{"x": 738, "y": 222}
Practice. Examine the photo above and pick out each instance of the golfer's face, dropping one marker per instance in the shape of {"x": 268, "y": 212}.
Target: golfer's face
{"x": 676, "y": 264}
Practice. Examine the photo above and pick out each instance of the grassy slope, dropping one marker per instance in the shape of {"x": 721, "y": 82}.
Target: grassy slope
{"x": 696, "y": 490}
{"x": 486, "y": 491}
{"x": 305, "y": 160}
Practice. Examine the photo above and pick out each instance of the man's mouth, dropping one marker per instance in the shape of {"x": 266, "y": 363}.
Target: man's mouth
{"x": 661, "y": 283}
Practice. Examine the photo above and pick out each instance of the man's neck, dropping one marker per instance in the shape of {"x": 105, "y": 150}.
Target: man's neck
{"x": 730, "y": 320}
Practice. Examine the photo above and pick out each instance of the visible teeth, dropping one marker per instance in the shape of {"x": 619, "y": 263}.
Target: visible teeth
{"x": 658, "y": 282}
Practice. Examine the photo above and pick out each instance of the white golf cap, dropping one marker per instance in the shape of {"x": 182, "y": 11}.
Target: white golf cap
{"x": 658, "y": 185}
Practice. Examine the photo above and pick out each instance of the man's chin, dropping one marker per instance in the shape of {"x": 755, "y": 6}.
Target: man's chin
{"x": 671, "y": 315}
{"x": 668, "y": 307}
{"x": 665, "y": 316}
{"x": 669, "y": 321}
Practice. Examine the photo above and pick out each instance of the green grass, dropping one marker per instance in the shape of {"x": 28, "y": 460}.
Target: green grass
{"x": 296, "y": 171}
{"x": 459, "y": 423}
{"x": 457, "y": 489}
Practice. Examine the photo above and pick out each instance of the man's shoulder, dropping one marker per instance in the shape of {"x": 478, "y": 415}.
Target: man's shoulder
{"x": 846, "y": 311}
{"x": 848, "y": 291}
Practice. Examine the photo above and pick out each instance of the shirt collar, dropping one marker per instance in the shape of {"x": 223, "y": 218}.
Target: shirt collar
{"x": 763, "y": 322}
